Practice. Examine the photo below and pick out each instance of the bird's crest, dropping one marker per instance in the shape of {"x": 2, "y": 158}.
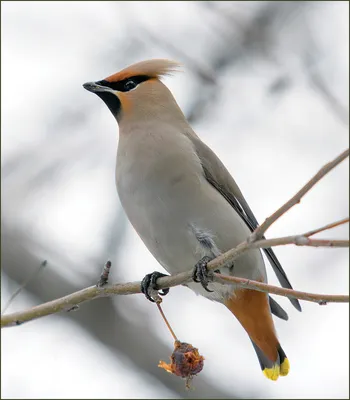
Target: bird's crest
{"x": 156, "y": 68}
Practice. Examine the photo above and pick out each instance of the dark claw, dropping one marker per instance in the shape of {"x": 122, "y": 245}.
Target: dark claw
{"x": 200, "y": 273}
{"x": 150, "y": 282}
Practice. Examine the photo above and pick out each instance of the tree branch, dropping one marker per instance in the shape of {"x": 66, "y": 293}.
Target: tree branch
{"x": 321, "y": 299}
{"x": 19, "y": 290}
{"x": 68, "y": 302}
{"x": 260, "y": 230}
{"x": 326, "y": 227}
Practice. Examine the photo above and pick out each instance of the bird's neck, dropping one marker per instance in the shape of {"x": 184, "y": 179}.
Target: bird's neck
{"x": 158, "y": 117}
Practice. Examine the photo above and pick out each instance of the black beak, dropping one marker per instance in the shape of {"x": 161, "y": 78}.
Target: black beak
{"x": 106, "y": 93}
{"x": 95, "y": 87}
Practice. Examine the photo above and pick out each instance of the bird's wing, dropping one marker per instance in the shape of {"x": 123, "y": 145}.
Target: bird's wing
{"x": 277, "y": 310}
{"x": 219, "y": 177}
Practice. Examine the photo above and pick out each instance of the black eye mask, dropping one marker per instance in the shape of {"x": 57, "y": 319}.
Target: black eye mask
{"x": 126, "y": 84}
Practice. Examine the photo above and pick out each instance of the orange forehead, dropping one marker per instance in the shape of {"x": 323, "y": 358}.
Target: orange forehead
{"x": 153, "y": 68}
{"x": 119, "y": 76}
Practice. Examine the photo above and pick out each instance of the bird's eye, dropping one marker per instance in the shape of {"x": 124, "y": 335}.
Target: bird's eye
{"x": 129, "y": 84}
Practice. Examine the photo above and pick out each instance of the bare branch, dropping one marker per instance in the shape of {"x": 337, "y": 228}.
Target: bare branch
{"x": 18, "y": 291}
{"x": 66, "y": 303}
{"x": 298, "y": 240}
{"x": 321, "y": 299}
{"x": 259, "y": 232}
{"x": 326, "y": 227}
{"x": 71, "y": 301}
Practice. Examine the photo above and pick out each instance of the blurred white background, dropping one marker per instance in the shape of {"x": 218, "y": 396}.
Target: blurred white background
{"x": 266, "y": 85}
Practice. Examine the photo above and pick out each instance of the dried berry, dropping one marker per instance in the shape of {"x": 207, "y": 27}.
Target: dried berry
{"x": 185, "y": 361}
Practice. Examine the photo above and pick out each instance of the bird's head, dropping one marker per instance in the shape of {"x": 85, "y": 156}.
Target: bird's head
{"x": 137, "y": 92}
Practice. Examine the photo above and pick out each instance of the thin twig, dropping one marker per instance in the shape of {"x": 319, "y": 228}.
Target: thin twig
{"x": 18, "y": 291}
{"x": 298, "y": 240}
{"x": 166, "y": 321}
{"x": 259, "y": 232}
{"x": 321, "y": 299}
{"x": 326, "y": 227}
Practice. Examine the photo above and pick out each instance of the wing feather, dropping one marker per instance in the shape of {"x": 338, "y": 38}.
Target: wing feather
{"x": 219, "y": 177}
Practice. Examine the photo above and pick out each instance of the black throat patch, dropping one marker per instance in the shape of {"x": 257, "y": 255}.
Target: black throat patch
{"x": 111, "y": 101}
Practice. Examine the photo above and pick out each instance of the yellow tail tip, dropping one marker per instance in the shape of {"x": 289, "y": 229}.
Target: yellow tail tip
{"x": 277, "y": 370}
{"x": 272, "y": 373}
{"x": 284, "y": 367}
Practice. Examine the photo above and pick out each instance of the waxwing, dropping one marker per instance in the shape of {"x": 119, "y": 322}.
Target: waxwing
{"x": 185, "y": 205}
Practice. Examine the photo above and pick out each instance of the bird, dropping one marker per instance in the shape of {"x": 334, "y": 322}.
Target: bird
{"x": 185, "y": 205}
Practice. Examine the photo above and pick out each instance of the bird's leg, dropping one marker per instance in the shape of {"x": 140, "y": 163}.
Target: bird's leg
{"x": 150, "y": 282}
{"x": 201, "y": 274}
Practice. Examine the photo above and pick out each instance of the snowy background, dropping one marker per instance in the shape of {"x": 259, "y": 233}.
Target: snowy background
{"x": 266, "y": 85}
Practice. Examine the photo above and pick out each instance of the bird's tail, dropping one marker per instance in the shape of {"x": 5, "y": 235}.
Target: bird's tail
{"x": 252, "y": 310}
{"x": 273, "y": 369}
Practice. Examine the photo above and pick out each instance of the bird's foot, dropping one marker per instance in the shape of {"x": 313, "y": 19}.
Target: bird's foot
{"x": 201, "y": 274}
{"x": 149, "y": 284}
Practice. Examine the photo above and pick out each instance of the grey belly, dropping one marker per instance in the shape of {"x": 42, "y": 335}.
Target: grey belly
{"x": 184, "y": 225}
